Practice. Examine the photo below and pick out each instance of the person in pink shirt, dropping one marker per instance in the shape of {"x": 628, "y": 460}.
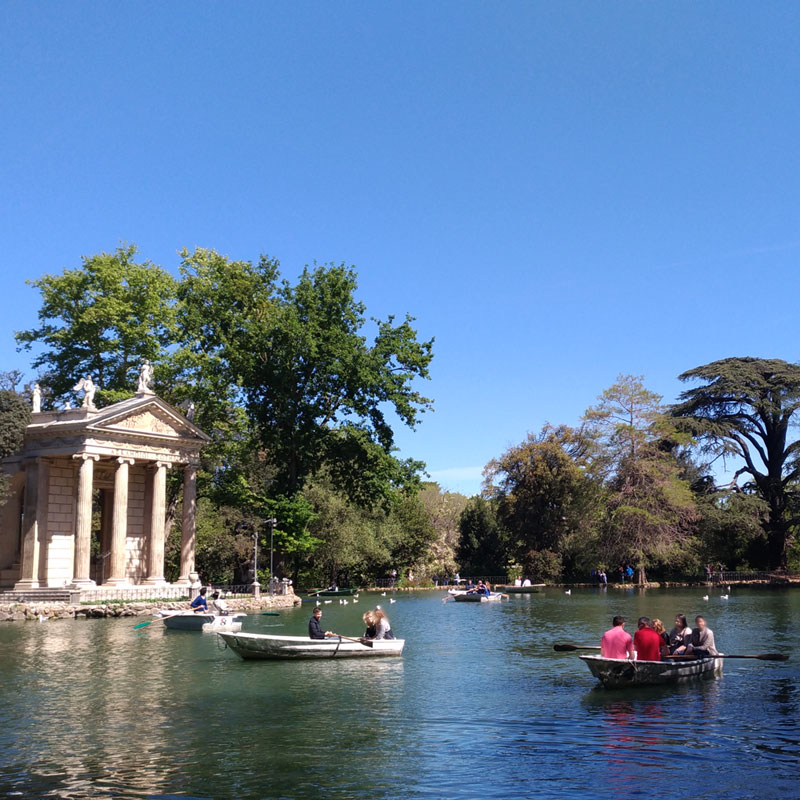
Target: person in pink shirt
{"x": 615, "y": 642}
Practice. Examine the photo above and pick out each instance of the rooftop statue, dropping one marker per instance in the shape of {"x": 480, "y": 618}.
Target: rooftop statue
{"x": 145, "y": 376}
{"x": 89, "y": 389}
{"x": 37, "y": 398}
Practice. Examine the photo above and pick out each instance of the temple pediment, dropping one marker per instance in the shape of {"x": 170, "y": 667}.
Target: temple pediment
{"x": 155, "y": 419}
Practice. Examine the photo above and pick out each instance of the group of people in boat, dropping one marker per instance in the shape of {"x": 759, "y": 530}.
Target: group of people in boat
{"x": 376, "y": 622}
{"x": 200, "y": 604}
{"x": 651, "y": 642}
{"x": 481, "y": 587}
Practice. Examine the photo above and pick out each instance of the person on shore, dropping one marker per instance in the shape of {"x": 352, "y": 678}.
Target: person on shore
{"x": 658, "y": 627}
{"x": 200, "y": 605}
{"x": 315, "y": 627}
{"x": 702, "y": 644}
{"x": 680, "y": 636}
{"x": 616, "y": 643}
{"x": 646, "y": 641}
{"x": 220, "y": 605}
{"x": 603, "y": 578}
{"x": 629, "y": 573}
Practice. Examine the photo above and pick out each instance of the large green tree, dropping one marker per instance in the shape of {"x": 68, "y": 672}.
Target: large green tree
{"x": 317, "y": 390}
{"x": 649, "y": 504}
{"x": 746, "y": 407}
{"x": 545, "y": 496}
{"x": 102, "y": 319}
{"x": 15, "y": 414}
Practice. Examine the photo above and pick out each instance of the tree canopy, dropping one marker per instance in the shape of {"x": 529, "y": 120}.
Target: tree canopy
{"x": 745, "y": 407}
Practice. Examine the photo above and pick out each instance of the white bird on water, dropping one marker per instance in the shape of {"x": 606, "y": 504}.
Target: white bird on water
{"x": 392, "y": 601}
{"x": 729, "y": 588}
{"x": 383, "y": 594}
{"x": 328, "y": 601}
{"x": 318, "y": 603}
{"x": 705, "y": 597}
{"x": 43, "y": 618}
{"x": 355, "y": 601}
{"x": 344, "y": 602}
{"x": 723, "y": 597}
{"x": 569, "y": 591}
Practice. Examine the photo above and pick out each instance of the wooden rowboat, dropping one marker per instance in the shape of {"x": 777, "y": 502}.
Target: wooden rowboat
{"x": 259, "y": 645}
{"x": 618, "y": 673}
{"x": 189, "y": 621}
{"x": 533, "y": 589}
{"x": 477, "y": 598}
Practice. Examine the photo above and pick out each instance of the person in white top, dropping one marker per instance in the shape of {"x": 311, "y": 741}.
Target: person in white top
{"x": 220, "y": 605}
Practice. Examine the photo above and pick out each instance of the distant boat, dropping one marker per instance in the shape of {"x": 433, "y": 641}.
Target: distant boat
{"x": 189, "y": 621}
{"x": 264, "y": 646}
{"x": 618, "y": 673}
{"x": 474, "y": 597}
{"x": 532, "y": 589}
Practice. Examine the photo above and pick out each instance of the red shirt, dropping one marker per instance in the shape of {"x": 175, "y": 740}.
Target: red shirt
{"x": 647, "y": 644}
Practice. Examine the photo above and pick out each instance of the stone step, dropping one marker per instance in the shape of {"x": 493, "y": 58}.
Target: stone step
{"x": 37, "y": 596}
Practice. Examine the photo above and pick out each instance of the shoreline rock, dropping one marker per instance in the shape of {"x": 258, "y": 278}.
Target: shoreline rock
{"x": 48, "y": 611}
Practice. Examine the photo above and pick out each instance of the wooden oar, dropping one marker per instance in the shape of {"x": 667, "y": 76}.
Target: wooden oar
{"x": 160, "y": 619}
{"x": 365, "y": 642}
{"x": 759, "y": 656}
{"x": 566, "y": 648}
{"x": 270, "y": 614}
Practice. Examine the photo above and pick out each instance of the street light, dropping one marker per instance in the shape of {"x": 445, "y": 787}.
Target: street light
{"x": 256, "y": 587}
{"x": 271, "y": 522}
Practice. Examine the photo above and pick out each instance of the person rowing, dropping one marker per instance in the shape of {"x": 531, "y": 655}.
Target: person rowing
{"x": 315, "y": 628}
{"x": 616, "y": 642}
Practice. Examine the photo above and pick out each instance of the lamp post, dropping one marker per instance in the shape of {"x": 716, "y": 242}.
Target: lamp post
{"x": 271, "y": 522}
{"x": 256, "y": 587}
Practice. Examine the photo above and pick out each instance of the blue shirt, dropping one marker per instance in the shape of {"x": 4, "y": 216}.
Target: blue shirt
{"x": 199, "y": 602}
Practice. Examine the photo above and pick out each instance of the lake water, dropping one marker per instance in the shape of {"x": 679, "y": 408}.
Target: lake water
{"x": 479, "y": 706}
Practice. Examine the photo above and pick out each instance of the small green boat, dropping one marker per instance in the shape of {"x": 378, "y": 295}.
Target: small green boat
{"x": 334, "y": 593}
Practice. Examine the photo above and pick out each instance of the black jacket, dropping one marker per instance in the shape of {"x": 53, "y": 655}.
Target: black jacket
{"x": 315, "y": 629}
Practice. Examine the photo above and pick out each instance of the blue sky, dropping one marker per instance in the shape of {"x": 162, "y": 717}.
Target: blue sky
{"x": 558, "y": 192}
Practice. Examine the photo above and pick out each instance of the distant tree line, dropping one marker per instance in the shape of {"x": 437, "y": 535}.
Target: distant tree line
{"x": 634, "y": 483}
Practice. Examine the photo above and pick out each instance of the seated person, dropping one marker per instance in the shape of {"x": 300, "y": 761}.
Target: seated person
{"x": 702, "y": 644}
{"x": 526, "y": 582}
{"x": 658, "y": 627}
{"x": 382, "y": 628}
{"x": 680, "y": 636}
{"x": 469, "y": 584}
{"x": 371, "y": 623}
{"x": 218, "y": 604}
{"x": 616, "y": 643}
{"x": 200, "y": 605}
{"x": 647, "y": 642}
{"x": 314, "y": 627}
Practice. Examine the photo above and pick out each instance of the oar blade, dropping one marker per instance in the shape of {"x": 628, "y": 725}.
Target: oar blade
{"x": 142, "y": 625}
{"x": 773, "y": 657}
{"x": 564, "y": 648}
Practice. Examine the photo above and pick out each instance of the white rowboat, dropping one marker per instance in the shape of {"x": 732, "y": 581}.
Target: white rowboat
{"x": 189, "y": 621}
{"x": 477, "y": 598}
{"x": 617, "y": 673}
{"x": 259, "y": 645}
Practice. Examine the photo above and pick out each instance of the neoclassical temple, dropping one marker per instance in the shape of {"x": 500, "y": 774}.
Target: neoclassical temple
{"x": 89, "y": 495}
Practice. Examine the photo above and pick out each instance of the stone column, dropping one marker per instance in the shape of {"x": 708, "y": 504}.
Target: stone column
{"x": 187, "y": 523}
{"x": 119, "y": 525}
{"x": 83, "y": 528}
{"x": 29, "y": 568}
{"x": 158, "y": 509}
